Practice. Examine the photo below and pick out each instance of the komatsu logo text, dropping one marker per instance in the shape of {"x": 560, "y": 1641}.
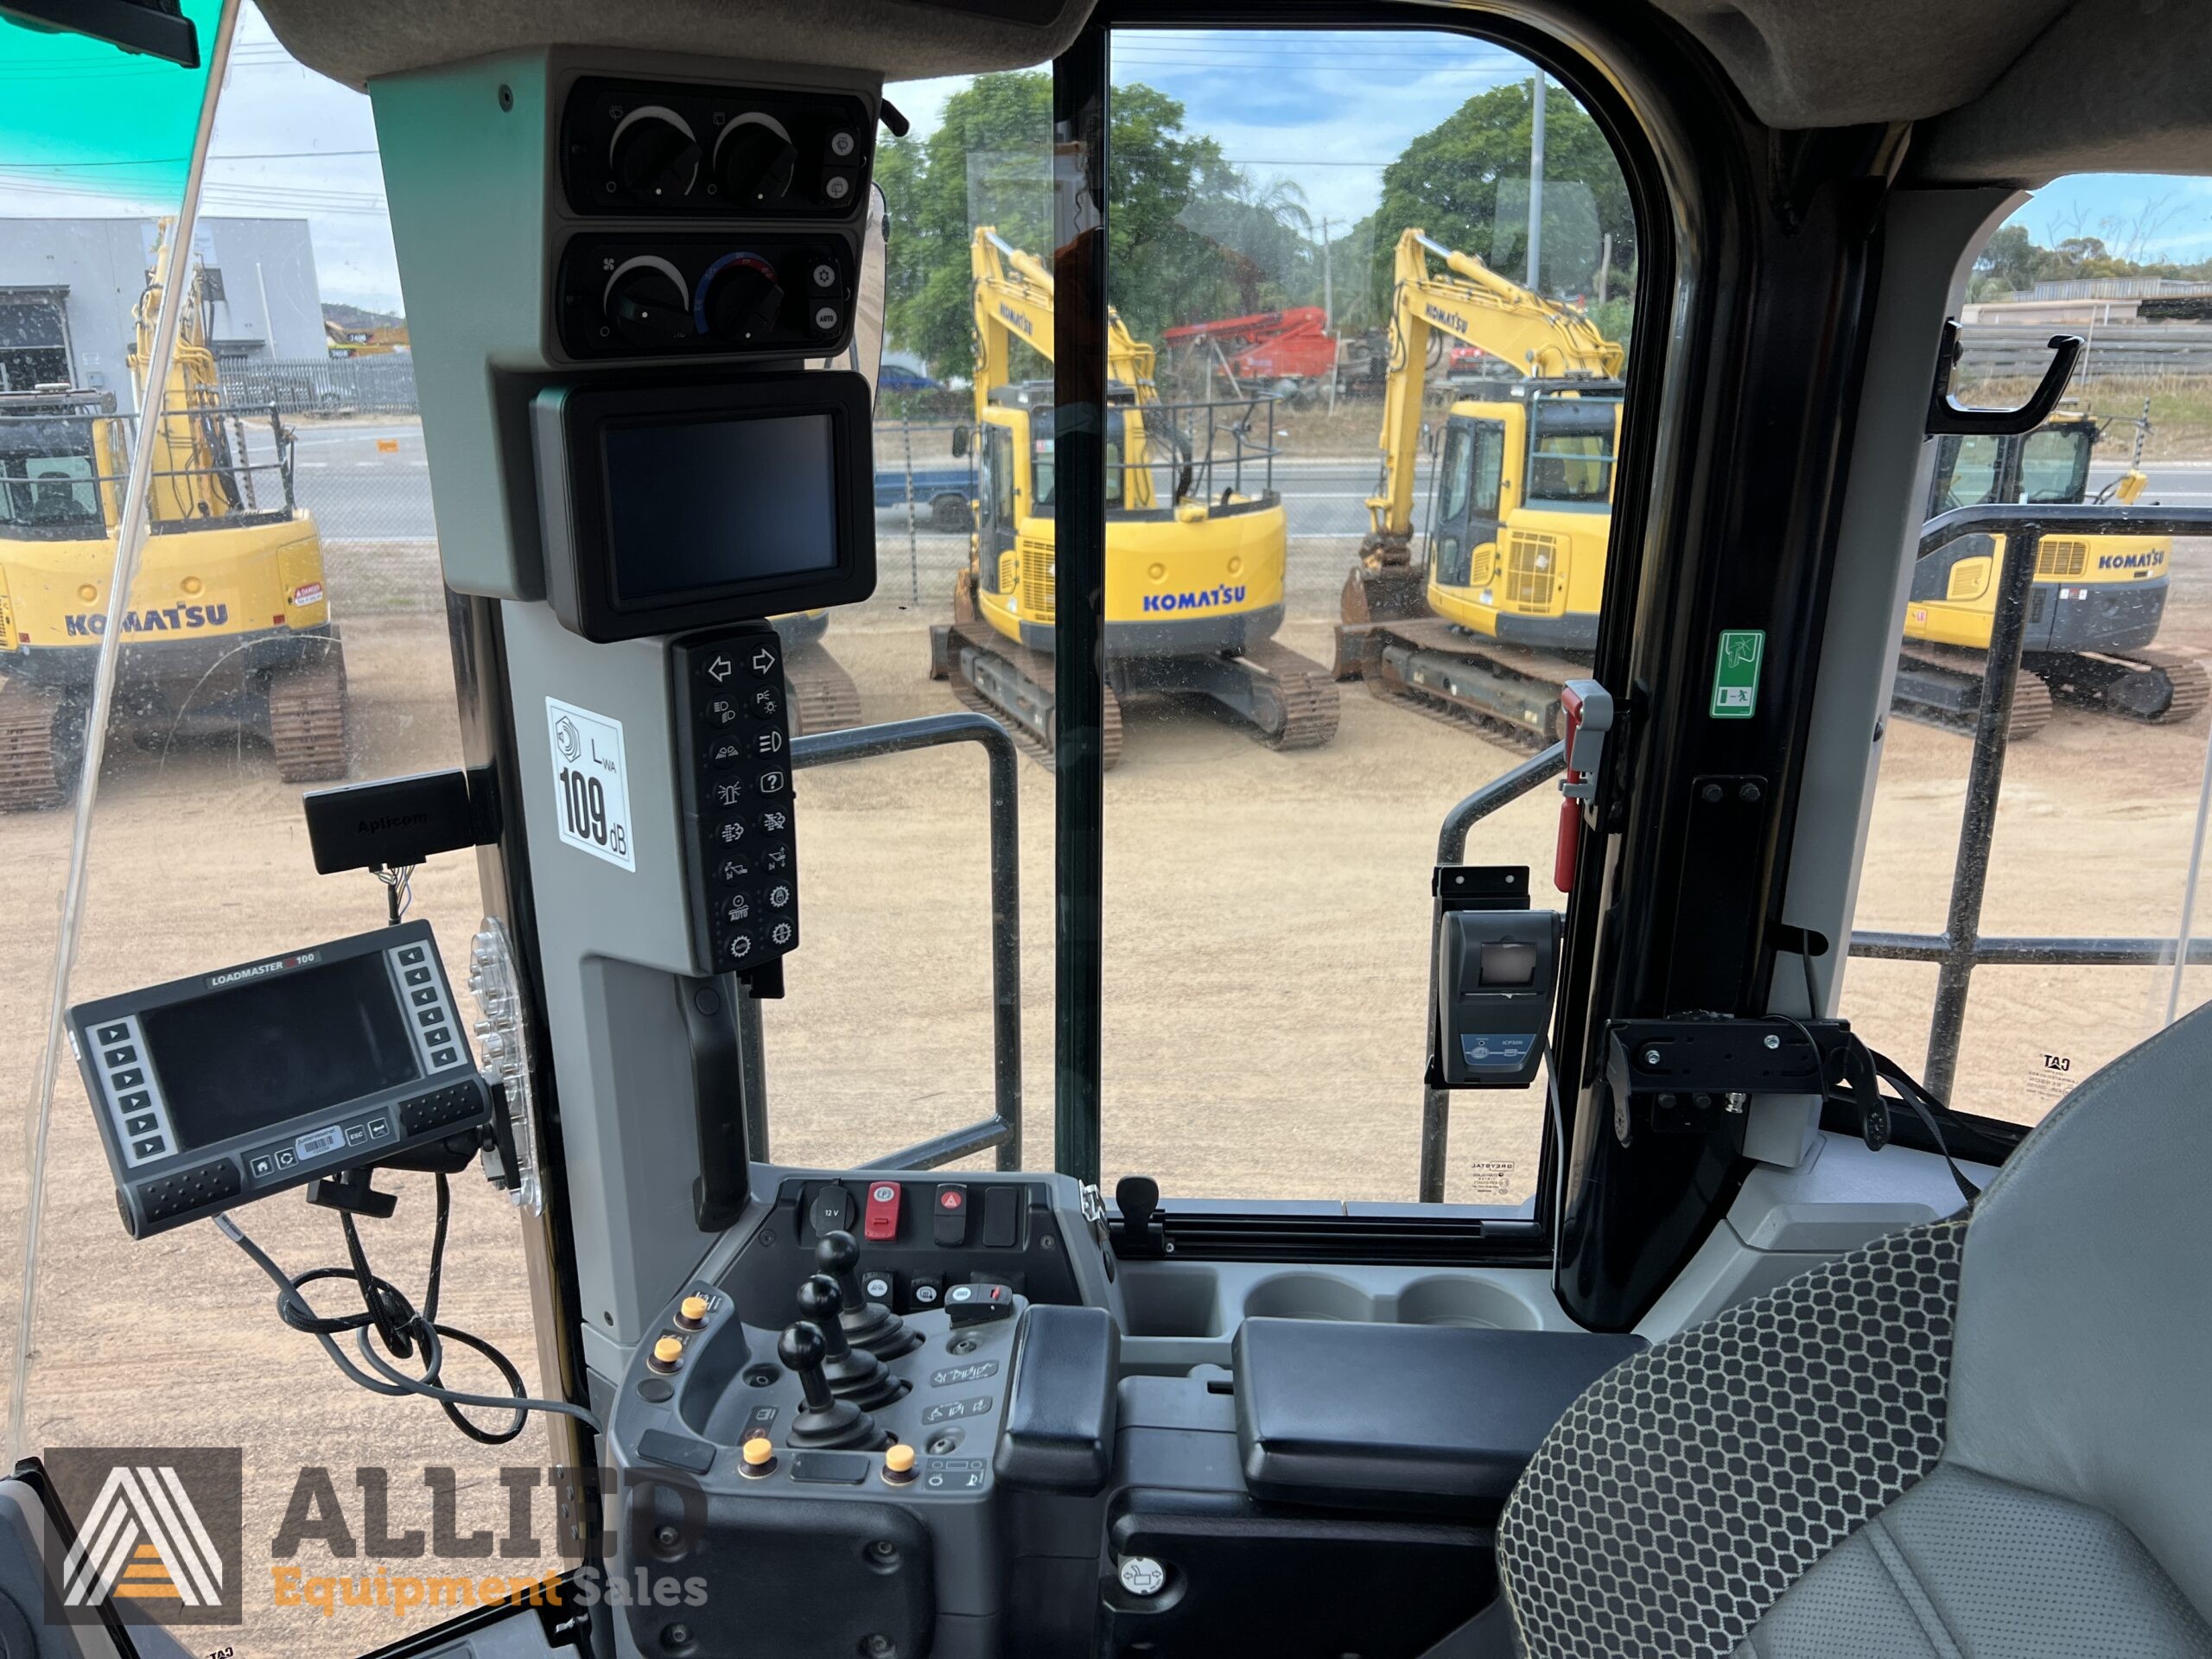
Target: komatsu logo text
{"x": 1451, "y": 320}
{"x": 1208, "y": 599}
{"x": 2149, "y": 561}
{"x": 1015, "y": 318}
{"x": 173, "y": 619}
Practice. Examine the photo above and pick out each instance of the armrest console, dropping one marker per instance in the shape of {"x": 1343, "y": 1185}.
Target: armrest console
{"x": 1403, "y": 1416}
{"x": 1059, "y": 1414}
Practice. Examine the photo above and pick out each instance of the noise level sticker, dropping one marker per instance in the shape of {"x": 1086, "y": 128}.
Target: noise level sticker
{"x": 591, "y": 788}
{"x": 1736, "y": 673}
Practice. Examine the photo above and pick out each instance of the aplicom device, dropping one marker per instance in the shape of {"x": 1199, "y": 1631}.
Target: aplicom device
{"x": 228, "y": 1086}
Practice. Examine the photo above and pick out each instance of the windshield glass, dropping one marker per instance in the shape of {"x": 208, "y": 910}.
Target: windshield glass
{"x": 2055, "y": 462}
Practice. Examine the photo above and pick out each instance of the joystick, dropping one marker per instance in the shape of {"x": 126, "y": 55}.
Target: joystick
{"x": 867, "y": 1325}
{"x": 853, "y": 1374}
{"x": 823, "y": 1419}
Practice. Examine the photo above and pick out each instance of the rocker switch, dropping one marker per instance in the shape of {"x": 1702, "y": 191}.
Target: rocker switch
{"x": 881, "y": 1221}
{"x": 950, "y": 1216}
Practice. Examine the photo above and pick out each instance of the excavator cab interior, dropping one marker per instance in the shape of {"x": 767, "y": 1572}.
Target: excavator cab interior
{"x": 577, "y": 1093}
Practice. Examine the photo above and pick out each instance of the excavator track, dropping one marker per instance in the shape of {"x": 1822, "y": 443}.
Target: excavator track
{"x": 1937, "y": 686}
{"x": 1304, "y": 690}
{"x": 41, "y": 750}
{"x": 823, "y": 696}
{"x": 2156, "y": 686}
{"x": 1507, "y": 693}
{"x": 1013, "y": 685}
{"x": 307, "y": 721}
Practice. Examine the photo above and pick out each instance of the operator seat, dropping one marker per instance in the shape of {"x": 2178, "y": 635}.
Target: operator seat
{"x": 1988, "y": 1437}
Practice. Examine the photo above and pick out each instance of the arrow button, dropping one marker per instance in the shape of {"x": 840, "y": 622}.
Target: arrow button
{"x": 764, "y": 661}
{"x": 719, "y": 670}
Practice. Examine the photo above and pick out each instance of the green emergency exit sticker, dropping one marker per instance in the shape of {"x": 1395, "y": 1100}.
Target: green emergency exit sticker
{"x": 1736, "y": 673}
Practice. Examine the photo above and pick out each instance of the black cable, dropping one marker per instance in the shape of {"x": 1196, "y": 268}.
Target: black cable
{"x": 406, "y": 1332}
{"x": 1866, "y": 1067}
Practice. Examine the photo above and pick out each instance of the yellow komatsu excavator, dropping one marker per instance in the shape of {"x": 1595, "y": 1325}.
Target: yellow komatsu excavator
{"x": 1195, "y": 540}
{"x": 1504, "y": 608}
{"x": 227, "y": 626}
{"x": 2092, "y": 613}
{"x": 1484, "y": 627}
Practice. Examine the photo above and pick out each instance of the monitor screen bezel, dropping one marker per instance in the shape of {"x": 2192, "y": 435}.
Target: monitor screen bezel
{"x": 582, "y": 581}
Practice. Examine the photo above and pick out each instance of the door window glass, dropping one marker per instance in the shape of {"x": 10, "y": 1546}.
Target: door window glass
{"x": 2097, "y": 828}
{"x": 1286, "y": 213}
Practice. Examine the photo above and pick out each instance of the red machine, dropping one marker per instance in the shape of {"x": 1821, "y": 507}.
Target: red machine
{"x": 1290, "y": 345}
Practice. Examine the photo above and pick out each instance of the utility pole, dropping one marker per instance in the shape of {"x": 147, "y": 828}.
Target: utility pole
{"x": 1605, "y": 265}
{"x": 1329, "y": 311}
{"x": 1537, "y": 185}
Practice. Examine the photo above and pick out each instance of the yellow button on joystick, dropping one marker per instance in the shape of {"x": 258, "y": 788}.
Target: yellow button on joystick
{"x": 668, "y": 1354}
{"x": 757, "y": 1457}
{"x": 692, "y": 1313}
{"x": 898, "y": 1464}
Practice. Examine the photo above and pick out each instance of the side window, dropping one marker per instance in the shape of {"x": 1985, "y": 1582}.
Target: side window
{"x": 1457, "y": 470}
{"x": 2097, "y": 832}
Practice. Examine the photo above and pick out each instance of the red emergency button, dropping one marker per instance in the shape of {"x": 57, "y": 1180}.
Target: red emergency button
{"x": 882, "y": 1218}
{"x": 950, "y": 1225}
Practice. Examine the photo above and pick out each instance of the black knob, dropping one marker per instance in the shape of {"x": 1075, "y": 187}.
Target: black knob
{"x": 646, "y": 306}
{"x": 744, "y": 298}
{"x": 803, "y": 1348}
{"x": 820, "y": 1301}
{"x": 753, "y": 159}
{"x": 654, "y": 155}
{"x": 838, "y": 1255}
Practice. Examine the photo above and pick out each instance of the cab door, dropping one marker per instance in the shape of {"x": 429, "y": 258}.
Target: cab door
{"x": 995, "y": 529}
{"x": 1465, "y": 522}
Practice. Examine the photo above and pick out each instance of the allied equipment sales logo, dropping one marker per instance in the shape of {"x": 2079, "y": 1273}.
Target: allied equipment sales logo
{"x": 160, "y": 1534}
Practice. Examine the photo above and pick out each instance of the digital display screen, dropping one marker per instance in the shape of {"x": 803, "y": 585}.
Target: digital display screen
{"x": 699, "y": 505}
{"x": 268, "y": 1050}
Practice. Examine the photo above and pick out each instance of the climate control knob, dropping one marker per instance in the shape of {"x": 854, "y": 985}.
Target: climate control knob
{"x": 654, "y": 155}
{"x": 647, "y": 303}
{"x": 754, "y": 158}
{"x": 741, "y": 298}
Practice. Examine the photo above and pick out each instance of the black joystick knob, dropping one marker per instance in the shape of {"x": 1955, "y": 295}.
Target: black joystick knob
{"x": 867, "y": 1325}
{"x": 823, "y": 1419}
{"x": 853, "y": 1374}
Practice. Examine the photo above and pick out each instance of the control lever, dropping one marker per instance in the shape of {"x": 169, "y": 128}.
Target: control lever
{"x": 1143, "y": 1233}
{"x": 867, "y": 1325}
{"x": 853, "y": 1374}
{"x": 823, "y": 1419}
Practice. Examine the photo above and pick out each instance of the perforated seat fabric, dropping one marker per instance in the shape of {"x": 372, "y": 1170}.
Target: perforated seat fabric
{"x": 1983, "y": 1439}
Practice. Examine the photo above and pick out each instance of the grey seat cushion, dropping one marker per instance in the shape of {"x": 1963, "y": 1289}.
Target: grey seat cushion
{"x": 1966, "y": 1567}
{"x": 1988, "y": 1437}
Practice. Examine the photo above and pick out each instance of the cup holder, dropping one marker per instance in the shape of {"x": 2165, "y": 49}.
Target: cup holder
{"x": 1308, "y": 1296}
{"x": 1445, "y": 1300}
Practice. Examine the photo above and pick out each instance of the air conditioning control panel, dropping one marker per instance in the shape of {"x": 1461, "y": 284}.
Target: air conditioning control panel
{"x": 628, "y": 294}
{"x": 666, "y": 149}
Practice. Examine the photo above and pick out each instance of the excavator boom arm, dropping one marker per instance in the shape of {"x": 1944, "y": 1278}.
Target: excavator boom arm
{"x": 1468, "y": 300}
{"x": 1014, "y": 300}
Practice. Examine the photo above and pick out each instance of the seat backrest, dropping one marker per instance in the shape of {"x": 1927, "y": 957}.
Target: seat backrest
{"x": 1984, "y": 1436}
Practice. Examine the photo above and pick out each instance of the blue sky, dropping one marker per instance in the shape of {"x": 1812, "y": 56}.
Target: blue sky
{"x": 1327, "y": 112}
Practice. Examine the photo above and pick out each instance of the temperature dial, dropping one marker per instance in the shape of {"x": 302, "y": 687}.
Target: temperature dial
{"x": 654, "y": 155}
{"x": 647, "y": 303}
{"x": 754, "y": 158}
{"x": 741, "y": 298}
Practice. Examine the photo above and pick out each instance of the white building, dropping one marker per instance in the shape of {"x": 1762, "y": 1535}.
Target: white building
{"x": 69, "y": 286}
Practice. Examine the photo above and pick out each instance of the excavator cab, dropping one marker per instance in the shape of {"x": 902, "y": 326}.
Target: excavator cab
{"x": 1094, "y": 1148}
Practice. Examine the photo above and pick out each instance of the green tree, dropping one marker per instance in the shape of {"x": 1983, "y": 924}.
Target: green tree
{"x": 1465, "y": 182}
{"x": 1190, "y": 235}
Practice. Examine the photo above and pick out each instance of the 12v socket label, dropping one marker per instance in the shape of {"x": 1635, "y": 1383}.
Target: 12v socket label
{"x": 591, "y": 783}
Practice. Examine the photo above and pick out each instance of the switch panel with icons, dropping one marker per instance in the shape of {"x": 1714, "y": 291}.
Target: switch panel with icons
{"x": 741, "y": 830}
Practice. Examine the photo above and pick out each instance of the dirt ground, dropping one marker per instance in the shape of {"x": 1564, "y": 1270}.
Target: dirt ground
{"x": 1266, "y": 935}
